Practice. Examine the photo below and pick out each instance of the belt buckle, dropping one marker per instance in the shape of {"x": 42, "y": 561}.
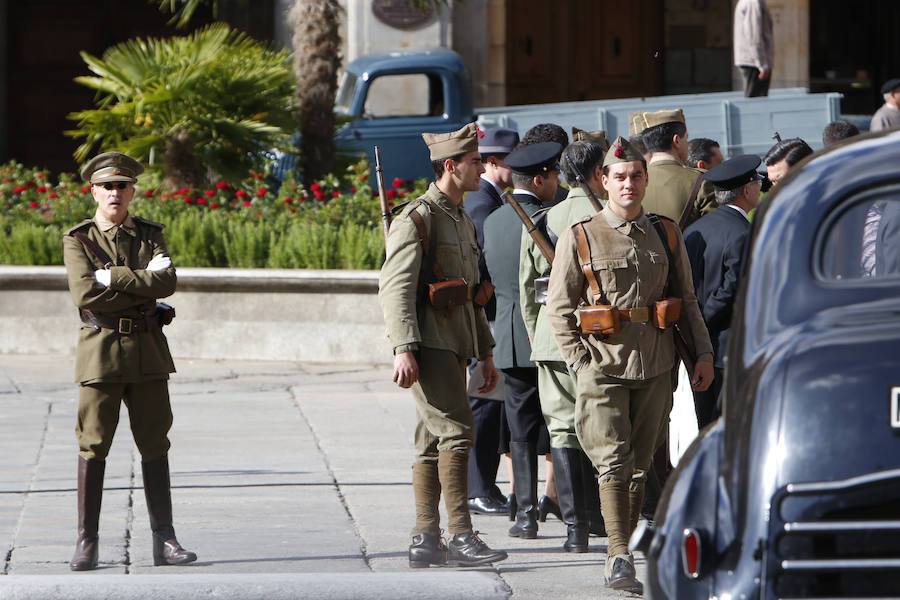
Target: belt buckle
{"x": 641, "y": 314}
{"x": 126, "y": 325}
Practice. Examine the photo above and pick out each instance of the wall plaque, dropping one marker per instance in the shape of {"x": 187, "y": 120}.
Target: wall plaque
{"x": 402, "y": 14}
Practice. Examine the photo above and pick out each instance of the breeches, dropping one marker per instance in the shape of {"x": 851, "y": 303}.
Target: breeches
{"x": 444, "y": 417}
{"x": 618, "y": 421}
{"x": 557, "y": 391}
{"x": 149, "y": 412}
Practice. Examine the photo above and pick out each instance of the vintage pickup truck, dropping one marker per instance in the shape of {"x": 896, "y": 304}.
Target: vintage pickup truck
{"x": 392, "y": 97}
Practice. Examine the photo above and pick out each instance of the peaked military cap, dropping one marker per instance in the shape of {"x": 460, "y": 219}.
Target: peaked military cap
{"x": 735, "y": 172}
{"x": 643, "y": 121}
{"x": 597, "y": 137}
{"x": 447, "y": 145}
{"x": 890, "y": 85}
{"x": 621, "y": 151}
{"x": 498, "y": 140}
{"x": 535, "y": 159}
{"x": 111, "y": 166}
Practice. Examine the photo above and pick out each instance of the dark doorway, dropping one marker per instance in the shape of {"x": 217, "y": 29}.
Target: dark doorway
{"x": 582, "y": 50}
{"x": 853, "y": 50}
{"x": 43, "y": 39}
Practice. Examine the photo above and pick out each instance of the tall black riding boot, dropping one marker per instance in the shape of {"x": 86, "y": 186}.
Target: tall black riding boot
{"x": 524, "y": 460}
{"x": 592, "y": 497}
{"x": 90, "y": 495}
{"x": 567, "y": 468}
{"x": 166, "y": 549}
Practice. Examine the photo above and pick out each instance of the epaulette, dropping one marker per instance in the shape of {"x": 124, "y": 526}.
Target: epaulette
{"x": 695, "y": 170}
{"x": 81, "y": 225}
{"x": 540, "y": 214}
{"x": 658, "y": 216}
{"x": 148, "y": 222}
{"x": 584, "y": 220}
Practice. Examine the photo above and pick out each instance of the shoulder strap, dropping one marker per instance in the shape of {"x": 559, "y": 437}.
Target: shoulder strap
{"x": 666, "y": 231}
{"x": 96, "y": 250}
{"x": 426, "y": 243}
{"x": 584, "y": 257}
{"x": 690, "y": 204}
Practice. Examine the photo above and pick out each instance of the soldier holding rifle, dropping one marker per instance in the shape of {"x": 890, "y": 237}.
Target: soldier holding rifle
{"x": 635, "y": 274}
{"x": 435, "y": 323}
{"x": 575, "y": 482}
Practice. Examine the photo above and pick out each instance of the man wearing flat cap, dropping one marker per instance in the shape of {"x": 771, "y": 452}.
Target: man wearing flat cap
{"x": 888, "y": 116}
{"x": 575, "y": 482}
{"x": 630, "y": 269}
{"x": 675, "y": 191}
{"x": 118, "y": 266}
{"x": 715, "y": 246}
{"x": 432, "y": 249}
{"x": 487, "y": 410}
{"x": 535, "y": 175}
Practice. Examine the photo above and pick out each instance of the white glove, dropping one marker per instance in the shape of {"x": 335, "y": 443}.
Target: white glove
{"x": 102, "y": 276}
{"x": 159, "y": 262}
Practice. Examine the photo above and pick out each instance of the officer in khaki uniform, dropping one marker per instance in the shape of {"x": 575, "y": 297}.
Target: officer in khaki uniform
{"x": 117, "y": 266}
{"x": 672, "y": 183}
{"x": 623, "y": 378}
{"x": 433, "y": 345}
{"x": 575, "y": 480}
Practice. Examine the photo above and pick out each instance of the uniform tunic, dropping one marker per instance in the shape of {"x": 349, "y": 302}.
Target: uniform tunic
{"x": 444, "y": 339}
{"x": 670, "y": 187}
{"x": 623, "y": 380}
{"x": 112, "y": 366}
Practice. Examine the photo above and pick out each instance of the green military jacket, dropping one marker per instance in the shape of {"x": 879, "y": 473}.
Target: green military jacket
{"x": 105, "y": 354}
{"x": 670, "y": 187}
{"x": 532, "y": 265}
{"x": 630, "y": 264}
{"x": 411, "y": 321}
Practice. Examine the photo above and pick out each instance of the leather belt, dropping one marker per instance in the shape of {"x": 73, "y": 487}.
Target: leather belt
{"x": 124, "y": 325}
{"x": 639, "y": 314}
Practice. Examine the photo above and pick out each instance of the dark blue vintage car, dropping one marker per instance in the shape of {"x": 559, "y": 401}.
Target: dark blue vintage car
{"x": 795, "y": 491}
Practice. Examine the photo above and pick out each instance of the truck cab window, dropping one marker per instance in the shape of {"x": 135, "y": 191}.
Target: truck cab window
{"x": 863, "y": 242}
{"x": 412, "y": 95}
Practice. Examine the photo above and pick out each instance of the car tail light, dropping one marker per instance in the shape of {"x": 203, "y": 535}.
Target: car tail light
{"x": 691, "y": 553}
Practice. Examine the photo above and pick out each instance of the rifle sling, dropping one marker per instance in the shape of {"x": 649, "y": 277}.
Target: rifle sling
{"x": 436, "y": 269}
{"x": 584, "y": 257}
{"x": 682, "y": 222}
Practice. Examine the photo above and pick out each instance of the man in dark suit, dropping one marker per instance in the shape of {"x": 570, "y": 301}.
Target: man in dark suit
{"x": 484, "y": 496}
{"x": 536, "y": 177}
{"x": 716, "y": 248}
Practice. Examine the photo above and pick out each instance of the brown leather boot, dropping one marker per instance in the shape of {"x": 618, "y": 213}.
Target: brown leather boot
{"x": 90, "y": 495}
{"x": 166, "y": 549}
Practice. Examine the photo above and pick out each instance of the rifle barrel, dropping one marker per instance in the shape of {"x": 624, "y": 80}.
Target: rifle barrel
{"x": 385, "y": 209}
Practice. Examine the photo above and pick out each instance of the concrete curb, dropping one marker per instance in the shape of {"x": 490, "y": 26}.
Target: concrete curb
{"x": 326, "y": 586}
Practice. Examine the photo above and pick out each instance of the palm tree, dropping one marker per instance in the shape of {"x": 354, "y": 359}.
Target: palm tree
{"x": 317, "y": 59}
{"x": 214, "y": 99}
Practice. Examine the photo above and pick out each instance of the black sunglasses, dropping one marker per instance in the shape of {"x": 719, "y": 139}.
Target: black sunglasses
{"x": 119, "y": 186}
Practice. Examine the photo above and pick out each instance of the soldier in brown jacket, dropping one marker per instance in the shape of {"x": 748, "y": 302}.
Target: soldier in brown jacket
{"x": 618, "y": 258}
{"x": 117, "y": 266}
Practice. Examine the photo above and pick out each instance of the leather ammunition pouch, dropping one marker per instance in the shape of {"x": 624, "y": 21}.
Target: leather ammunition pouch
{"x": 483, "y": 293}
{"x": 445, "y": 295}
{"x": 540, "y": 289}
{"x": 164, "y": 313}
{"x": 666, "y": 313}
{"x": 600, "y": 319}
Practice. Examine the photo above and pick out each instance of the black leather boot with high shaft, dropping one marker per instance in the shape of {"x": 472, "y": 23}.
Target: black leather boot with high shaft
{"x": 157, "y": 490}
{"x": 524, "y": 460}
{"x": 90, "y": 495}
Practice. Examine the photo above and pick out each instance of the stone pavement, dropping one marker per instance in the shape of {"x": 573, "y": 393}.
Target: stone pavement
{"x": 289, "y": 480}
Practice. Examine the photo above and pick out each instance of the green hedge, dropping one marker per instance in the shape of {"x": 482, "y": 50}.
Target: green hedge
{"x": 333, "y": 224}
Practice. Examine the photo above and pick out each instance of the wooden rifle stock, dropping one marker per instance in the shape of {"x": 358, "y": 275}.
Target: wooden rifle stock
{"x": 539, "y": 238}
{"x": 385, "y": 209}
{"x": 598, "y": 206}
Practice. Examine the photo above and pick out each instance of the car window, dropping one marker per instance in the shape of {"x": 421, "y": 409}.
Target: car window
{"x": 409, "y": 95}
{"x": 863, "y": 242}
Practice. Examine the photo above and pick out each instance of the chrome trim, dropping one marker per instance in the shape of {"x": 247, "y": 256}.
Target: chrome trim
{"x": 818, "y": 487}
{"x": 840, "y": 564}
{"x": 895, "y": 407}
{"x": 840, "y": 526}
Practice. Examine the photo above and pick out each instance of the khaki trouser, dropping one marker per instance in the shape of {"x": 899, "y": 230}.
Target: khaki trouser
{"x": 149, "y": 412}
{"x": 556, "y": 387}
{"x": 619, "y": 420}
{"x": 442, "y": 405}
